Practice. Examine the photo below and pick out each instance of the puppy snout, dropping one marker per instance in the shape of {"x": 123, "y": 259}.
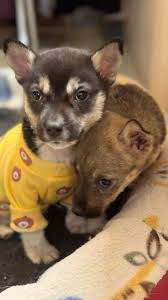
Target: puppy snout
{"x": 87, "y": 213}
{"x": 54, "y": 131}
{"x": 82, "y": 209}
{"x": 79, "y": 207}
{"x": 92, "y": 213}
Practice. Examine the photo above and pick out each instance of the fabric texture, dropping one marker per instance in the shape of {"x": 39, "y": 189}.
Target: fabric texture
{"x": 28, "y": 185}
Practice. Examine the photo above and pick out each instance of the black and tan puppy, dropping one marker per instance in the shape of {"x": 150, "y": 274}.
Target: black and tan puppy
{"x": 64, "y": 95}
{"x": 113, "y": 153}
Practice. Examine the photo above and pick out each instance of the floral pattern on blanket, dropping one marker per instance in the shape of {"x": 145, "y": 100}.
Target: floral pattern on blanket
{"x": 139, "y": 287}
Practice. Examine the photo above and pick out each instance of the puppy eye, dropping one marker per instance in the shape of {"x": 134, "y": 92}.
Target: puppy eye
{"x": 81, "y": 95}
{"x": 36, "y": 95}
{"x": 103, "y": 182}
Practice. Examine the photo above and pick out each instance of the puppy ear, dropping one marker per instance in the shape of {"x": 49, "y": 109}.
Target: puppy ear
{"x": 19, "y": 57}
{"x": 107, "y": 60}
{"x": 136, "y": 139}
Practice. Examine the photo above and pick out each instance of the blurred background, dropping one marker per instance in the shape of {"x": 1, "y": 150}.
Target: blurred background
{"x": 90, "y": 23}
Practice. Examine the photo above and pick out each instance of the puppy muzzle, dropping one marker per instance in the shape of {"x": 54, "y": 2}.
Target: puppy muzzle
{"x": 57, "y": 134}
{"x": 87, "y": 213}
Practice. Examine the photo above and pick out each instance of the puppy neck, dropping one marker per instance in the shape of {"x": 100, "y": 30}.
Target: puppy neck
{"x": 44, "y": 150}
{"x": 64, "y": 155}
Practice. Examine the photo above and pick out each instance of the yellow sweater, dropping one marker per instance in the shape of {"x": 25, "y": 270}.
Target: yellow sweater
{"x": 28, "y": 184}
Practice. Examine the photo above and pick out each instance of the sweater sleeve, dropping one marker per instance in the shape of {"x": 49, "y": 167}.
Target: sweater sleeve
{"x": 26, "y": 212}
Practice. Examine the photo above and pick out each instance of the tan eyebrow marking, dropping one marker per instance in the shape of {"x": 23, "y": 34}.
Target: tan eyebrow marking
{"x": 90, "y": 118}
{"x": 75, "y": 83}
{"x": 44, "y": 84}
{"x": 72, "y": 85}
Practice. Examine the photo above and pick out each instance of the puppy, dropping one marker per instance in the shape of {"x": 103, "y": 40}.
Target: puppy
{"x": 64, "y": 95}
{"x": 117, "y": 149}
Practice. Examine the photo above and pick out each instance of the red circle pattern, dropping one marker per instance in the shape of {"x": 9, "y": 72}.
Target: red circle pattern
{"x": 25, "y": 157}
{"x": 24, "y": 222}
{"x": 16, "y": 174}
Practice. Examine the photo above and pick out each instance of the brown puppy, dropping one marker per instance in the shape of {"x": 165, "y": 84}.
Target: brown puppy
{"x": 117, "y": 149}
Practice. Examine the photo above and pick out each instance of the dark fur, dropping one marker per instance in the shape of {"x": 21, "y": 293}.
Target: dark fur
{"x": 58, "y": 66}
{"x": 59, "y": 71}
{"x": 29, "y": 135}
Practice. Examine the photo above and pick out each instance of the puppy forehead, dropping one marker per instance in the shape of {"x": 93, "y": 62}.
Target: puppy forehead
{"x": 62, "y": 64}
{"x": 61, "y": 60}
{"x": 65, "y": 55}
{"x": 97, "y": 151}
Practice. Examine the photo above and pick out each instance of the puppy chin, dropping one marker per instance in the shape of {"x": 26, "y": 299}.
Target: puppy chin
{"x": 57, "y": 144}
{"x": 61, "y": 145}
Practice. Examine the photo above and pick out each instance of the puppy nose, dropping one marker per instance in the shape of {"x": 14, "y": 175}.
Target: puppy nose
{"x": 54, "y": 131}
{"x": 78, "y": 211}
{"x": 79, "y": 207}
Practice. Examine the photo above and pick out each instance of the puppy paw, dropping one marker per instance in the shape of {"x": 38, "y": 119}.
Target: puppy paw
{"x": 38, "y": 249}
{"x": 75, "y": 224}
{"x": 45, "y": 254}
{"x": 5, "y": 232}
{"x": 80, "y": 225}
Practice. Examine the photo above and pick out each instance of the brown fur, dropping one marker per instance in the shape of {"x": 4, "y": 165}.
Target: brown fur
{"x": 133, "y": 102}
{"x": 118, "y": 148}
